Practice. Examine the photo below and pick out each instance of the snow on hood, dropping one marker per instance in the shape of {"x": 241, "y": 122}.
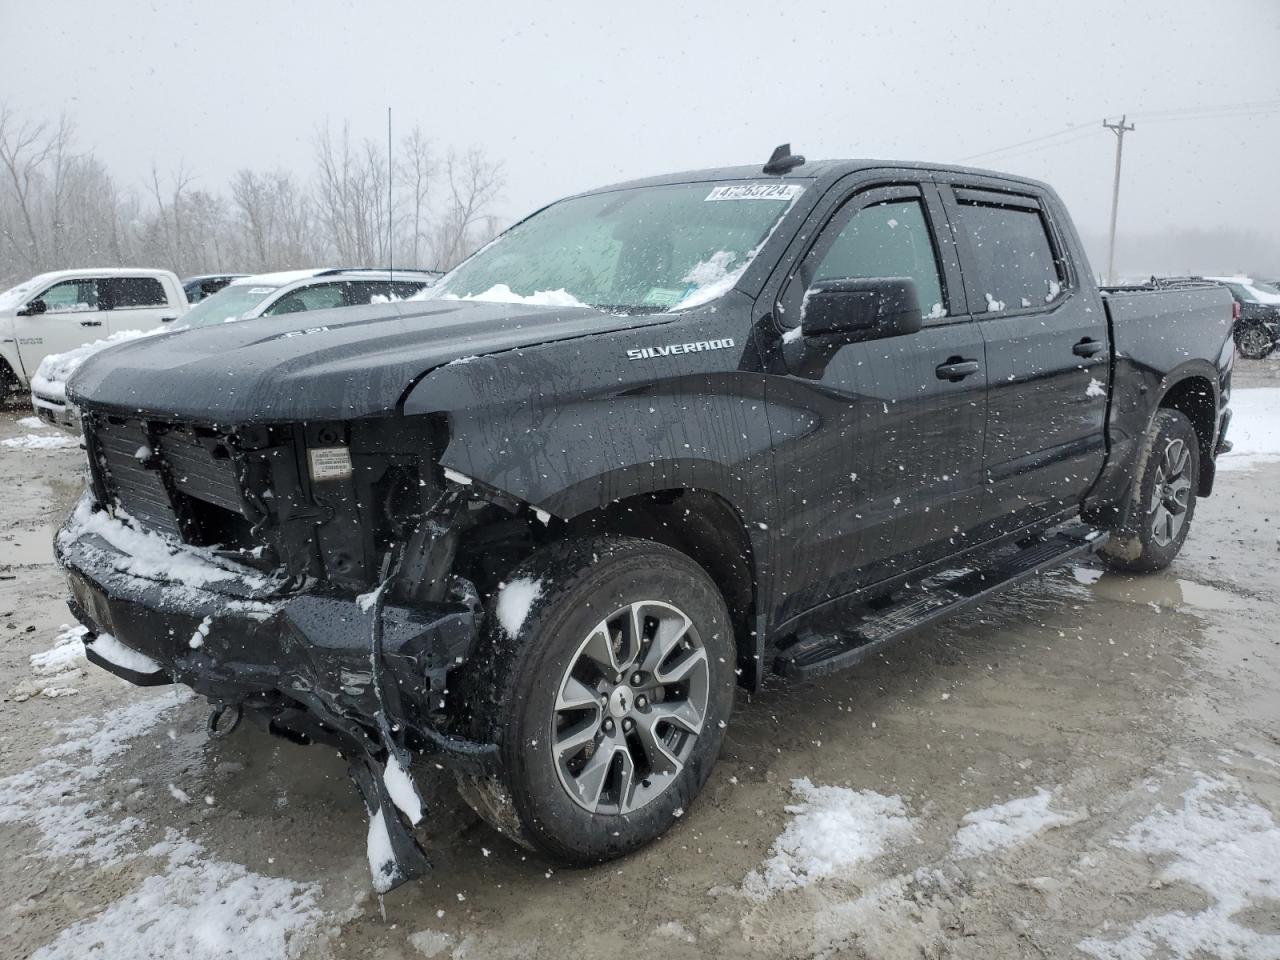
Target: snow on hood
{"x": 15, "y": 297}
{"x": 54, "y": 370}
{"x": 501, "y": 293}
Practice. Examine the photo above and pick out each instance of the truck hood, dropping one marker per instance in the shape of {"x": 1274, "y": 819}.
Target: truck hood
{"x": 337, "y": 364}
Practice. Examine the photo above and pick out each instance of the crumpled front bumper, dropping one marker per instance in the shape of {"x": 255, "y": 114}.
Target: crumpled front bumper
{"x": 368, "y": 677}
{"x": 247, "y": 642}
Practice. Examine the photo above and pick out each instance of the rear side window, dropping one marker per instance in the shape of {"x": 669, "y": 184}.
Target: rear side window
{"x": 1016, "y": 268}
{"x": 126, "y": 293}
{"x": 887, "y": 240}
{"x": 308, "y": 298}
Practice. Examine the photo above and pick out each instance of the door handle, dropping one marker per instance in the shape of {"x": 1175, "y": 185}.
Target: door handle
{"x": 168, "y": 319}
{"x": 1088, "y": 347}
{"x": 956, "y": 369}
{"x": 90, "y": 323}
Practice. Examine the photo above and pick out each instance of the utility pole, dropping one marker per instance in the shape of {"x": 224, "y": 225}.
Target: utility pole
{"x": 1119, "y": 130}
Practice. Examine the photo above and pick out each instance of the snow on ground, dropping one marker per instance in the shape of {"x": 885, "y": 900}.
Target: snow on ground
{"x": 31, "y": 423}
{"x": 1254, "y": 430}
{"x": 514, "y": 602}
{"x": 197, "y": 908}
{"x": 58, "y": 797}
{"x": 832, "y": 829}
{"x": 1008, "y": 824}
{"x": 430, "y": 943}
{"x": 41, "y": 441}
{"x": 66, "y": 653}
{"x": 1221, "y": 842}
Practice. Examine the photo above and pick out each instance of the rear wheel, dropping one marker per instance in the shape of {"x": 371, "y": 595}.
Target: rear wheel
{"x": 608, "y": 695}
{"x": 8, "y": 382}
{"x": 1254, "y": 342}
{"x": 1164, "y": 497}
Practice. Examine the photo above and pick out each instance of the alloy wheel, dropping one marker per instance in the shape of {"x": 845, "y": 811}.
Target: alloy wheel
{"x": 1170, "y": 493}
{"x": 630, "y": 707}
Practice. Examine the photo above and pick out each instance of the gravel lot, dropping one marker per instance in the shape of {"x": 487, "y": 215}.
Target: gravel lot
{"x": 1133, "y": 722}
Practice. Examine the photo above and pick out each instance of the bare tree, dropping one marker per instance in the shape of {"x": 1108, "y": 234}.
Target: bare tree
{"x": 25, "y": 152}
{"x": 417, "y": 169}
{"x": 466, "y": 223}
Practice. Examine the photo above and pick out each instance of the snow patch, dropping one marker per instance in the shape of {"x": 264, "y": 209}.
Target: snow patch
{"x": 198, "y": 909}
{"x": 112, "y": 650}
{"x": 41, "y": 441}
{"x": 1008, "y": 824}
{"x": 993, "y": 304}
{"x": 1254, "y": 430}
{"x": 402, "y": 789}
{"x": 1096, "y": 388}
{"x": 501, "y": 293}
{"x": 51, "y": 376}
{"x": 67, "y": 652}
{"x": 58, "y": 796}
{"x": 430, "y": 943}
{"x": 1221, "y": 842}
{"x": 832, "y": 829}
{"x": 31, "y": 423}
{"x": 382, "y": 858}
{"x": 515, "y": 599}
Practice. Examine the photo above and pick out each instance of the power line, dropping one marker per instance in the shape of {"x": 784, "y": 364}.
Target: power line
{"x": 1048, "y": 136}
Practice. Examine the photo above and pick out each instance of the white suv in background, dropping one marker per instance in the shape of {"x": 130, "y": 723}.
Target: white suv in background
{"x": 59, "y": 311}
{"x": 296, "y": 291}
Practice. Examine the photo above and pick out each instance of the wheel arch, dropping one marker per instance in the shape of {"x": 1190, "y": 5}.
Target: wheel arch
{"x": 1196, "y": 397}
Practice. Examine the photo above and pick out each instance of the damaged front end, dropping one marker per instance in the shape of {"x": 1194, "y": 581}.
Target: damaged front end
{"x": 300, "y": 576}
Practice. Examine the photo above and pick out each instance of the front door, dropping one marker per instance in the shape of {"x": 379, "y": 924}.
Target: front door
{"x": 1047, "y": 356}
{"x": 879, "y": 446}
{"x": 72, "y": 316}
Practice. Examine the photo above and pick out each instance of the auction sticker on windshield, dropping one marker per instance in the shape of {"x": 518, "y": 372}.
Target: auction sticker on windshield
{"x": 755, "y": 191}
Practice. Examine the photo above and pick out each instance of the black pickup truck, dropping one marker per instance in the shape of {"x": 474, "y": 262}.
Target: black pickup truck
{"x": 656, "y": 442}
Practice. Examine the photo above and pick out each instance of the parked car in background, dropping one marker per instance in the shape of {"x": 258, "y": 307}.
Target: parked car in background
{"x": 243, "y": 298}
{"x": 297, "y": 291}
{"x": 197, "y": 288}
{"x": 1258, "y": 326}
{"x": 58, "y": 311}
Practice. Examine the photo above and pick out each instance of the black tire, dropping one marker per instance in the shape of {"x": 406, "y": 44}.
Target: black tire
{"x": 1254, "y": 341}
{"x": 8, "y": 382}
{"x": 515, "y": 684}
{"x": 1151, "y": 543}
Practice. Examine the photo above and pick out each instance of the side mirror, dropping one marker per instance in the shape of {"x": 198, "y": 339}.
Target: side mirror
{"x": 34, "y": 308}
{"x": 864, "y": 308}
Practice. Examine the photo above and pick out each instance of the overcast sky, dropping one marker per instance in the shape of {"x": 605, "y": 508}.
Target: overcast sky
{"x": 576, "y": 95}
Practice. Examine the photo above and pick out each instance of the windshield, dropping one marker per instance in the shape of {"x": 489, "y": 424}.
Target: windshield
{"x": 644, "y": 249}
{"x": 229, "y": 303}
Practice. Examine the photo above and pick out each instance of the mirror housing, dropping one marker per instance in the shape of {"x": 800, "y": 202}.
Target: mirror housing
{"x": 34, "y": 308}
{"x": 862, "y": 308}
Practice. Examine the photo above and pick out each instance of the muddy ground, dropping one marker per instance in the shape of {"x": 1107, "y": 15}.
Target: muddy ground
{"x": 1116, "y": 694}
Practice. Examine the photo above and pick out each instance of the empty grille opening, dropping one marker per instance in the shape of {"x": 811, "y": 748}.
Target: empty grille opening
{"x": 210, "y": 525}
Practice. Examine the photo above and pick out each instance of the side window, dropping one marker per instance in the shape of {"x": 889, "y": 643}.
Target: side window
{"x": 1016, "y": 268}
{"x": 126, "y": 293}
{"x": 71, "y": 296}
{"x": 890, "y": 239}
{"x": 318, "y": 297}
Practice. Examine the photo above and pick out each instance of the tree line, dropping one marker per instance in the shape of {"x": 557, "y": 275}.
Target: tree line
{"x": 60, "y": 207}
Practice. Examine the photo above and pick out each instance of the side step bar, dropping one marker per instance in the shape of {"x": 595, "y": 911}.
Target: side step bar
{"x": 816, "y": 653}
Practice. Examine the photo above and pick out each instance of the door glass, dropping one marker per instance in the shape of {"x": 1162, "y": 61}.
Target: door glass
{"x": 71, "y": 296}
{"x": 888, "y": 240}
{"x": 125, "y": 293}
{"x": 1014, "y": 259}
{"x": 308, "y": 298}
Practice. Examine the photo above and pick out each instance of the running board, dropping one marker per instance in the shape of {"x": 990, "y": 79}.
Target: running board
{"x": 816, "y": 653}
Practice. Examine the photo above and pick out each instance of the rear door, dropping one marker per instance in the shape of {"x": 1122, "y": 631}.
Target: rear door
{"x": 135, "y": 303}
{"x": 72, "y": 316}
{"x": 878, "y": 453}
{"x": 1047, "y": 353}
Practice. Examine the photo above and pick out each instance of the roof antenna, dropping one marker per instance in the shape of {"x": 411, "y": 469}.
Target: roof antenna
{"x": 783, "y": 160}
{"x": 391, "y": 256}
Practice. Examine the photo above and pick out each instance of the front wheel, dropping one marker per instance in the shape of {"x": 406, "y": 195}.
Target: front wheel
{"x": 1254, "y": 342}
{"x": 1164, "y": 497}
{"x": 606, "y": 678}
